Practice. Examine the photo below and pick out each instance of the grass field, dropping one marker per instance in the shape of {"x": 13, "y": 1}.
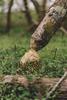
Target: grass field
{"x": 12, "y": 48}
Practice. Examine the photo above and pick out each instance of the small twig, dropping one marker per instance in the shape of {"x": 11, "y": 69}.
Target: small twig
{"x": 56, "y": 86}
{"x": 63, "y": 30}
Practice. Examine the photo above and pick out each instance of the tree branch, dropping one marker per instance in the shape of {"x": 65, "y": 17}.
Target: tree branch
{"x": 63, "y": 30}
{"x": 56, "y": 86}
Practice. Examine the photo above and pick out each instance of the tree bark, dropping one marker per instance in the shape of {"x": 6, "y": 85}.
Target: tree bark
{"x": 49, "y": 25}
{"x": 8, "y": 25}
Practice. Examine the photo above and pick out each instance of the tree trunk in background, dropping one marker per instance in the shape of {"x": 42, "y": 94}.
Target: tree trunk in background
{"x": 49, "y": 25}
{"x": 27, "y": 13}
{"x": 8, "y": 25}
{"x": 37, "y": 8}
{"x": 43, "y": 9}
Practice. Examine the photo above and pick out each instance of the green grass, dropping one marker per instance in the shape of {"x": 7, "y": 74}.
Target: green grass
{"x": 53, "y": 56}
{"x": 14, "y": 38}
{"x": 12, "y": 48}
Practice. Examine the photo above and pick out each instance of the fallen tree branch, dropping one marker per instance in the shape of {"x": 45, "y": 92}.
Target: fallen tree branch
{"x": 41, "y": 84}
{"x": 56, "y": 86}
{"x": 22, "y": 80}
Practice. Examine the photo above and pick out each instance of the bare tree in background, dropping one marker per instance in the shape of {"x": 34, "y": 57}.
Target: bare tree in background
{"x": 8, "y": 24}
{"x": 37, "y": 8}
{"x": 27, "y": 13}
{"x": 40, "y": 9}
{"x": 43, "y": 9}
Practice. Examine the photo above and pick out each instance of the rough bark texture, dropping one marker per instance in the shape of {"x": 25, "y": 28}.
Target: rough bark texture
{"x": 41, "y": 84}
{"x": 49, "y": 25}
{"x": 8, "y": 25}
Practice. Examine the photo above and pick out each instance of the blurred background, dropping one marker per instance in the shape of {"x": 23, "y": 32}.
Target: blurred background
{"x": 18, "y": 20}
